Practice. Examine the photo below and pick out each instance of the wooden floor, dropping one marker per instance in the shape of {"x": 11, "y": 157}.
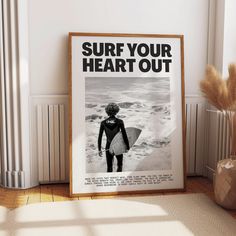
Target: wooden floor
{"x": 60, "y": 192}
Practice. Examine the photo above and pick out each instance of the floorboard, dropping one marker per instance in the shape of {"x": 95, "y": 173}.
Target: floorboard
{"x": 11, "y": 198}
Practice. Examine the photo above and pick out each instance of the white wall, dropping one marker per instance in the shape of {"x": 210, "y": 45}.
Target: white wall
{"x": 219, "y": 33}
{"x": 225, "y": 46}
{"x": 229, "y": 35}
{"x": 51, "y": 20}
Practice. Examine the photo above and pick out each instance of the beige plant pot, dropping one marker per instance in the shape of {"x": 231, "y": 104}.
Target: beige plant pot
{"x": 225, "y": 183}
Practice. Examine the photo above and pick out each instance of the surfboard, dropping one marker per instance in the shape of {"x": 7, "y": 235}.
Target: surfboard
{"x": 118, "y": 146}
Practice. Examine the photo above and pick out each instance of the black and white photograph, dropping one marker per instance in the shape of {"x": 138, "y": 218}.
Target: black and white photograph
{"x": 127, "y": 131}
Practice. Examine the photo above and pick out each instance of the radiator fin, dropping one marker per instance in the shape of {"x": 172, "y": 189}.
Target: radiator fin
{"x": 223, "y": 137}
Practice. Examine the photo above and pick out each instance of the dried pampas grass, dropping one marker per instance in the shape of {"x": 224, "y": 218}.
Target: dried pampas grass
{"x": 222, "y": 94}
{"x": 219, "y": 92}
{"x": 231, "y": 85}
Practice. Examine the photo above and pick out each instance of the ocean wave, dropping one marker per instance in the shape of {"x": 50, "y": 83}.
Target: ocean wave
{"x": 89, "y": 105}
{"x": 125, "y": 104}
{"x": 93, "y": 117}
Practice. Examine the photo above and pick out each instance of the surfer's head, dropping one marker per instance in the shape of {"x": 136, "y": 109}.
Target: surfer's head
{"x": 112, "y": 109}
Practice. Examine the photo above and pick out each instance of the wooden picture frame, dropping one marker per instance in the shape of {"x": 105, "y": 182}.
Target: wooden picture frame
{"x": 143, "y": 75}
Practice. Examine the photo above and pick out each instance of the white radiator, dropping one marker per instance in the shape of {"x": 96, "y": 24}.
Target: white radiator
{"x": 195, "y": 115}
{"x": 50, "y": 137}
{"x": 51, "y": 142}
{"x": 218, "y": 146}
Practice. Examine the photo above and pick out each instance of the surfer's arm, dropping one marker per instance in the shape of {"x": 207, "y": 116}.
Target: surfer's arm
{"x": 100, "y": 137}
{"x": 124, "y": 134}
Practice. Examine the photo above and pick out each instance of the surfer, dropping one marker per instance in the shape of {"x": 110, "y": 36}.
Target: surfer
{"x": 112, "y": 125}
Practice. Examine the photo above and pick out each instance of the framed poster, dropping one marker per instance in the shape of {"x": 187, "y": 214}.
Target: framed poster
{"x": 127, "y": 129}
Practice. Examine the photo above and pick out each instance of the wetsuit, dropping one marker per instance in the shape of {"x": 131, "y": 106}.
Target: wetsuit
{"x": 112, "y": 126}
